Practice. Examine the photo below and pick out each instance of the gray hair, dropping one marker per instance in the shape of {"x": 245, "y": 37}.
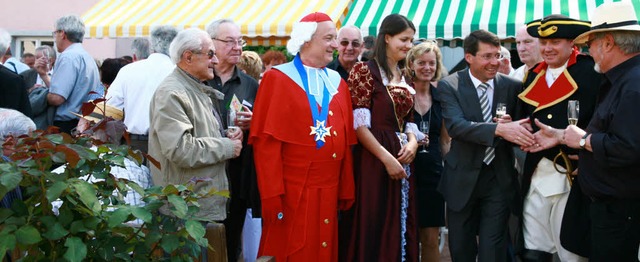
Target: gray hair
{"x": 187, "y": 40}
{"x": 5, "y": 41}
{"x": 353, "y": 27}
{"x": 13, "y": 122}
{"x": 627, "y": 41}
{"x": 161, "y": 38}
{"x": 504, "y": 52}
{"x": 140, "y": 47}
{"x": 72, "y": 26}
{"x": 52, "y": 54}
{"x": 212, "y": 29}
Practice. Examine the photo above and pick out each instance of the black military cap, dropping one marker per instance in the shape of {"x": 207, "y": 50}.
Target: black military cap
{"x": 557, "y": 26}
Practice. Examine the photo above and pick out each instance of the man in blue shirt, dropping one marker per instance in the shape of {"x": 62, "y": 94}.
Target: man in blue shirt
{"x": 75, "y": 73}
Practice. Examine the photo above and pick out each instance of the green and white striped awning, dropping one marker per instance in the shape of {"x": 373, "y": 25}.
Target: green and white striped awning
{"x": 455, "y": 19}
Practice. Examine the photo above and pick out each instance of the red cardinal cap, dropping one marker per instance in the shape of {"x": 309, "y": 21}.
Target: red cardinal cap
{"x": 316, "y": 17}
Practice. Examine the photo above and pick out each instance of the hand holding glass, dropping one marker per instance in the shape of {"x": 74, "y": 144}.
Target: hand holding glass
{"x": 573, "y": 110}
{"x": 501, "y": 110}
{"x": 424, "y": 128}
{"x": 231, "y": 123}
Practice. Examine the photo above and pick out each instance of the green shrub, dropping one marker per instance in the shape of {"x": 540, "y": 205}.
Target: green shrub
{"x": 92, "y": 221}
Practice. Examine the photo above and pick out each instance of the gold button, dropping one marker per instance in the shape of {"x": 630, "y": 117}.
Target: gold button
{"x": 324, "y": 244}
{"x": 334, "y": 155}
{"x": 335, "y": 133}
{"x": 330, "y": 112}
{"x": 326, "y": 221}
{"x": 549, "y": 116}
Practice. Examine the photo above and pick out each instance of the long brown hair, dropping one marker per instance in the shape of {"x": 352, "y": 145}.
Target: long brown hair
{"x": 392, "y": 25}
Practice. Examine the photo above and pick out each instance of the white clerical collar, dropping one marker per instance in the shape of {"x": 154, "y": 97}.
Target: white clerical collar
{"x": 317, "y": 78}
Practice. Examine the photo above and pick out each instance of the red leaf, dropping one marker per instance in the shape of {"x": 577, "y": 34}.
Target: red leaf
{"x": 98, "y": 100}
{"x": 53, "y": 130}
{"x": 87, "y": 108}
{"x": 71, "y": 156}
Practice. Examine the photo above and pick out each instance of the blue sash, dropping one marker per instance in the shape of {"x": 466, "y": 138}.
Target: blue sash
{"x": 318, "y": 127}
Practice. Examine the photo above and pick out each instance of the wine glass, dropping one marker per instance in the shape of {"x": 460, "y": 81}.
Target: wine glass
{"x": 501, "y": 110}
{"x": 424, "y": 128}
{"x": 573, "y": 109}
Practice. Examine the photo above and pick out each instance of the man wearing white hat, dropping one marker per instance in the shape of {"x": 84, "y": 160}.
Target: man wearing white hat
{"x": 563, "y": 75}
{"x": 301, "y": 131}
{"x": 609, "y": 146}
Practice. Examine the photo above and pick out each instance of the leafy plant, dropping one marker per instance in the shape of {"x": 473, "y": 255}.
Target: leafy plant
{"x": 92, "y": 223}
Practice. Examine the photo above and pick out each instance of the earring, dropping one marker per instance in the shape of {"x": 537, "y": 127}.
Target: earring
{"x": 413, "y": 73}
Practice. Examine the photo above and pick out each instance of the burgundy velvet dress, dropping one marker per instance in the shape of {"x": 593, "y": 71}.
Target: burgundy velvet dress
{"x": 372, "y": 229}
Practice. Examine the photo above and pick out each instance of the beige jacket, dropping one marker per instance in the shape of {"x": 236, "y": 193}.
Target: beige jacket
{"x": 184, "y": 136}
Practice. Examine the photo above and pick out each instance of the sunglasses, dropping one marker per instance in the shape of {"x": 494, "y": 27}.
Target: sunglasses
{"x": 209, "y": 54}
{"x": 354, "y": 43}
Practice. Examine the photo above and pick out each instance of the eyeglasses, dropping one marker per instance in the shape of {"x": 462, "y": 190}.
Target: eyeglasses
{"x": 54, "y": 32}
{"x": 233, "y": 43}
{"x": 209, "y": 54}
{"x": 491, "y": 56}
{"x": 354, "y": 43}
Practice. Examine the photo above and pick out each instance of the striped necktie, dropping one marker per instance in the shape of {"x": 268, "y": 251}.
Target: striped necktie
{"x": 490, "y": 152}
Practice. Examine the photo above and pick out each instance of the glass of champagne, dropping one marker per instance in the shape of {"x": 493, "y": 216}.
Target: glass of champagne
{"x": 501, "y": 110}
{"x": 573, "y": 110}
{"x": 424, "y": 128}
{"x": 231, "y": 122}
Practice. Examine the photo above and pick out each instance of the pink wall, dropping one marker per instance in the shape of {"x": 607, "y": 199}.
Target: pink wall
{"x": 37, "y": 18}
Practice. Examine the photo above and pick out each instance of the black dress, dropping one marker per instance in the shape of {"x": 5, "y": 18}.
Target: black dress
{"x": 428, "y": 169}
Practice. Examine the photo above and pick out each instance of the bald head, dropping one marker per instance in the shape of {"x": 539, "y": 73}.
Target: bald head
{"x": 528, "y": 47}
{"x": 349, "y": 45}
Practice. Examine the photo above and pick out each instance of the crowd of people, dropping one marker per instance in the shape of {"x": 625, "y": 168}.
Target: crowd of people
{"x": 367, "y": 155}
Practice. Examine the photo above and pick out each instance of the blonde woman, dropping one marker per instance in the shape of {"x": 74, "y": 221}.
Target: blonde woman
{"x": 424, "y": 65}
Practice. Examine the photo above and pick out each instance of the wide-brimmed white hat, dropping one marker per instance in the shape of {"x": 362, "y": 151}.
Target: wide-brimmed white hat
{"x": 613, "y": 16}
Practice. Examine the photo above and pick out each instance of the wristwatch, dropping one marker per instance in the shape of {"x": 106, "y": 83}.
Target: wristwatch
{"x": 583, "y": 140}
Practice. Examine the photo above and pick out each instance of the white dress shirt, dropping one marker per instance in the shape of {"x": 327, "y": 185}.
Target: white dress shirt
{"x": 133, "y": 88}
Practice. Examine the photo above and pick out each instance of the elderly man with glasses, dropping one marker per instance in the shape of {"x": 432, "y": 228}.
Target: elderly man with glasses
{"x": 239, "y": 91}
{"x": 185, "y": 132}
{"x": 74, "y": 76}
{"x": 350, "y": 45}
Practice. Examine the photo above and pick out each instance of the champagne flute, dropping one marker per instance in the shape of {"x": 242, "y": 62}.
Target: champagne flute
{"x": 424, "y": 128}
{"x": 501, "y": 110}
{"x": 573, "y": 109}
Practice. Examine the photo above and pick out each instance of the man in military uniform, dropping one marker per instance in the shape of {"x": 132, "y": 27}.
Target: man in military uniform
{"x": 564, "y": 75}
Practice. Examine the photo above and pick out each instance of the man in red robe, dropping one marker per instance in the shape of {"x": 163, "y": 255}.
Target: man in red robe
{"x": 301, "y": 132}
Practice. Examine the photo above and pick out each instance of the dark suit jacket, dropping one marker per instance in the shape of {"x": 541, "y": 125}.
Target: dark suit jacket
{"x": 12, "y": 92}
{"x": 471, "y": 136}
{"x": 30, "y": 77}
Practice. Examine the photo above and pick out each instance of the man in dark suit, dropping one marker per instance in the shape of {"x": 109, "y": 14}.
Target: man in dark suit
{"x": 12, "y": 92}
{"x": 479, "y": 179}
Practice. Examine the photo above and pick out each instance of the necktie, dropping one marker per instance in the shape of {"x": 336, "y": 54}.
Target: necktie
{"x": 490, "y": 152}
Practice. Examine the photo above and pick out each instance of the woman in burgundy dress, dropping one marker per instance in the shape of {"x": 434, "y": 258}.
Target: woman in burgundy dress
{"x": 381, "y": 225}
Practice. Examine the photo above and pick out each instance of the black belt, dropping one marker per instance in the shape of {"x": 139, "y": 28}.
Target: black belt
{"x": 139, "y": 137}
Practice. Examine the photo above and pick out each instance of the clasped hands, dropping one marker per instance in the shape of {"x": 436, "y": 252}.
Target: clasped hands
{"x": 521, "y": 133}
{"x": 548, "y": 137}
